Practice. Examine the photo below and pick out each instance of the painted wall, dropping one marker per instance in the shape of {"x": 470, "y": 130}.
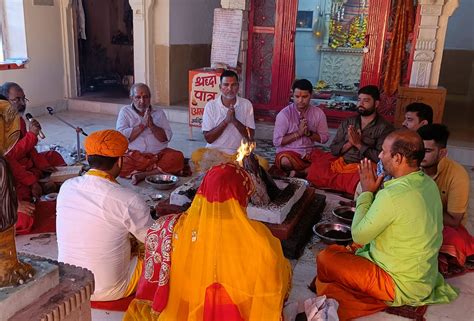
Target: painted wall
{"x": 308, "y": 58}
{"x": 191, "y": 21}
{"x": 457, "y": 72}
{"x": 42, "y": 79}
{"x": 460, "y": 33}
{"x": 457, "y": 66}
{"x": 183, "y": 34}
{"x": 161, "y": 19}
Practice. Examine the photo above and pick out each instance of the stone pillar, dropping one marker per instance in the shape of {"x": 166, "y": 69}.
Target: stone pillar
{"x": 430, "y": 41}
{"x": 143, "y": 41}
{"x": 243, "y": 5}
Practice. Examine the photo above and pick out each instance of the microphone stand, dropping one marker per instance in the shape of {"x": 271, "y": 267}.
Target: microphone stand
{"x": 78, "y": 130}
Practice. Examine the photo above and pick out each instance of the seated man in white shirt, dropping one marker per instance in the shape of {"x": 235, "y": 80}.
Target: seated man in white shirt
{"x": 148, "y": 132}
{"x": 226, "y": 121}
{"x": 95, "y": 216}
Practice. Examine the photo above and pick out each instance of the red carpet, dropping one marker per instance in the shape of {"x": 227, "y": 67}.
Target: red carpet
{"x": 117, "y": 305}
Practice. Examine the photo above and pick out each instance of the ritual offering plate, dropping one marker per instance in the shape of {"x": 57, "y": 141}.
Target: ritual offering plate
{"x": 332, "y": 233}
{"x": 344, "y": 213}
{"x": 162, "y": 181}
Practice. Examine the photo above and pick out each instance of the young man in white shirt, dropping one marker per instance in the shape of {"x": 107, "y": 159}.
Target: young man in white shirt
{"x": 227, "y": 120}
{"x": 95, "y": 217}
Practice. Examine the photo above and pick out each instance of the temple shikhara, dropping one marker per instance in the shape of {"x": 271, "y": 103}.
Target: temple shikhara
{"x": 238, "y": 160}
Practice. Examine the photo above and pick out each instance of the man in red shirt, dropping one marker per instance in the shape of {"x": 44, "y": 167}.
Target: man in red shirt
{"x": 27, "y": 165}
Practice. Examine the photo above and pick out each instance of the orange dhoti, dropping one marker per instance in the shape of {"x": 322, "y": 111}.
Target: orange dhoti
{"x": 330, "y": 172}
{"x": 458, "y": 244}
{"x": 167, "y": 160}
{"x": 298, "y": 163}
{"x": 359, "y": 286}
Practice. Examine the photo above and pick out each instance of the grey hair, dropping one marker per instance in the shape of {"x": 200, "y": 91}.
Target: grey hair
{"x": 5, "y": 88}
{"x": 134, "y": 88}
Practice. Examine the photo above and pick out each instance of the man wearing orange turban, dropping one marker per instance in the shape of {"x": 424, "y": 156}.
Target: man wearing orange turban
{"x": 95, "y": 216}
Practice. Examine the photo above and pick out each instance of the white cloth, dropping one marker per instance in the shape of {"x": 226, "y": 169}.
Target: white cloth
{"x": 94, "y": 219}
{"x": 146, "y": 142}
{"x": 215, "y": 112}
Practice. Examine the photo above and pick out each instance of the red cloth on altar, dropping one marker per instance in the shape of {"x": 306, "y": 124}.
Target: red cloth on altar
{"x": 168, "y": 160}
{"x": 321, "y": 174}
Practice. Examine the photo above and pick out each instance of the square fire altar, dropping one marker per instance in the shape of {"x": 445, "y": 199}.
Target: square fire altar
{"x": 274, "y": 212}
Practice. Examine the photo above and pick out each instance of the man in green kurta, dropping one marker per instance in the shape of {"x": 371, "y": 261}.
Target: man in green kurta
{"x": 400, "y": 231}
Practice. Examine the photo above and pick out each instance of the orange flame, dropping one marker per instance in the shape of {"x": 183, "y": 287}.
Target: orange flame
{"x": 244, "y": 150}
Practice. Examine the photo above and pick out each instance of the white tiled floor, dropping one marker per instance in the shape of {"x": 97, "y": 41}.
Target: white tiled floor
{"x": 304, "y": 269}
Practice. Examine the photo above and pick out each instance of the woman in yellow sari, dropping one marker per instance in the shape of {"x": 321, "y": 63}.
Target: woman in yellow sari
{"x": 212, "y": 263}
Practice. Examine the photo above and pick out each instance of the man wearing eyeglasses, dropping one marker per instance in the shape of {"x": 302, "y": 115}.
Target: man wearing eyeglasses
{"x": 148, "y": 132}
{"x": 28, "y": 166}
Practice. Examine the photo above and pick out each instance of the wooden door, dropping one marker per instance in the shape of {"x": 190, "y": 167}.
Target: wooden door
{"x": 271, "y": 54}
{"x": 434, "y": 97}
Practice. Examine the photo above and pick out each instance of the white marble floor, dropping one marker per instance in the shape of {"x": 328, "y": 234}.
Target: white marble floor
{"x": 304, "y": 268}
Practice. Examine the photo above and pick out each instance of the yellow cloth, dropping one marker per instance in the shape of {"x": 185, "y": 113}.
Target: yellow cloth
{"x": 453, "y": 184}
{"x": 9, "y": 127}
{"x": 215, "y": 242}
{"x": 204, "y": 158}
{"x": 132, "y": 285}
{"x": 109, "y": 142}
{"x": 99, "y": 173}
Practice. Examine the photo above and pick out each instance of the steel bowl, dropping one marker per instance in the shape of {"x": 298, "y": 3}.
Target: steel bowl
{"x": 333, "y": 233}
{"x": 162, "y": 181}
{"x": 344, "y": 214}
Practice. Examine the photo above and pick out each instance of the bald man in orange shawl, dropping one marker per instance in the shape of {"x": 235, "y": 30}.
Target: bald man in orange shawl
{"x": 96, "y": 215}
{"x": 148, "y": 132}
{"x": 198, "y": 268}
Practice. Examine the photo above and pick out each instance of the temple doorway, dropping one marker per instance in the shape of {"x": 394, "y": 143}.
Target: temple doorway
{"x": 105, "y": 49}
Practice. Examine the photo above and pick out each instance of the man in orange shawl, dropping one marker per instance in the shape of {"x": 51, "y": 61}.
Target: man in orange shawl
{"x": 148, "y": 132}
{"x": 212, "y": 263}
{"x": 28, "y": 166}
{"x": 453, "y": 183}
{"x": 357, "y": 137}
